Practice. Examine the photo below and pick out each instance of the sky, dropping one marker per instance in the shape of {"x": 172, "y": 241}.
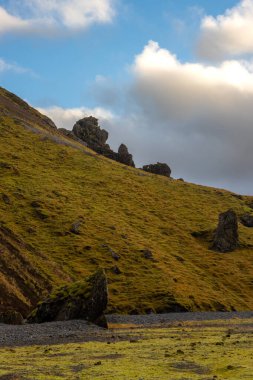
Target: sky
{"x": 173, "y": 80}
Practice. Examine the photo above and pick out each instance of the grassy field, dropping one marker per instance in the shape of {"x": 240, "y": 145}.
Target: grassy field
{"x": 47, "y": 183}
{"x": 192, "y": 351}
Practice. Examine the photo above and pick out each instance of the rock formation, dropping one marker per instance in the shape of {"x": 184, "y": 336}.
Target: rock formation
{"x": 247, "y": 220}
{"x": 124, "y": 156}
{"x": 158, "y": 168}
{"x": 11, "y": 317}
{"x": 83, "y": 300}
{"x": 226, "y": 234}
{"x": 88, "y": 131}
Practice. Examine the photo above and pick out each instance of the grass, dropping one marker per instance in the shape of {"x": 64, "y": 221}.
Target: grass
{"x": 47, "y": 185}
{"x": 192, "y": 351}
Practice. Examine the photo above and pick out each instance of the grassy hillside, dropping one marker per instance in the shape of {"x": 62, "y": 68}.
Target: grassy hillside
{"x": 48, "y": 183}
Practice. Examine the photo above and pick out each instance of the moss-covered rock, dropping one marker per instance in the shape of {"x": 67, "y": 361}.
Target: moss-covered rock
{"x": 81, "y": 300}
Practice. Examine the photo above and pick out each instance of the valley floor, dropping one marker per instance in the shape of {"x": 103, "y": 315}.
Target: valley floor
{"x": 186, "y": 346}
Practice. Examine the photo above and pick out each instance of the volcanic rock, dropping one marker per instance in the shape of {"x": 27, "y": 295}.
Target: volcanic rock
{"x": 124, "y": 156}
{"x": 247, "y": 220}
{"x": 11, "y": 317}
{"x": 81, "y": 300}
{"x": 226, "y": 234}
{"x": 158, "y": 168}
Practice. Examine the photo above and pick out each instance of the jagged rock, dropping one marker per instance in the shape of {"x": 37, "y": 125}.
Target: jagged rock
{"x": 124, "y": 156}
{"x": 71, "y": 135}
{"x": 11, "y": 317}
{"x": 159, "y": 168}
{"x": 247, "y": 220}
{"x": 88, "y": 130}
{"x": 81, "y": 300}
{"x": 226, "y": 235}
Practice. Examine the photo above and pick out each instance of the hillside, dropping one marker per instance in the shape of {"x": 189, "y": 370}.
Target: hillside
{"x": 64, "y": 209}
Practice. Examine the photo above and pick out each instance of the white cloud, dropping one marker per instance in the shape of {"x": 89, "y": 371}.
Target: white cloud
{"x": 51, "y": 16}
{"x": 13, "y": 67}
{"x": 230, "y": 34}
{"x": 67, "y": 117}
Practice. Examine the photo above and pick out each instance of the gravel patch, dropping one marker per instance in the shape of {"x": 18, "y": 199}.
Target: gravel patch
{"x": 82, "y": 331}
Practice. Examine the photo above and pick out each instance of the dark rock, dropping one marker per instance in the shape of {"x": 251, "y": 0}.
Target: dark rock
{"x": 116, "y": 270}
{"x": 147, "y": 254}
{"x": 75, "y": 228}
{"x": 247, "y": 220}
{"x": 124, "y": 156}
{"x": 6, "y": 199}
{"x": 82, "y": 300}
{"x": 71, "y": 135}
{"x": 11, "y": 317}
{"x": 226, "y": 235}
{"x": 88, "y": 130}
{"x": 159, "y": 168}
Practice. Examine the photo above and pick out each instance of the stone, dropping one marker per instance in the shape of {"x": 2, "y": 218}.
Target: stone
{"x": 226, "y": 234}
{"x": 90, "y": 133}
{"x": 81, "y": 300}
{"x": 147, "y": 254}
{"x": 88, "y": 130}
{"x": 124, "y": 156}
{"x": 75, "y": 228}
{"x": 116, "y": 270}
{"x": 158, "y": 168}
{"x": 11, "y": 317}
{"x": 247, "y": 220}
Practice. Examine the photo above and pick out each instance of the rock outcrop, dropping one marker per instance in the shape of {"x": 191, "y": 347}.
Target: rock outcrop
{"x": 247, "y": 220}
{"x": 11, "y": 317}
{"x": 82, "y": 300}
{"x": 88, "y": 131}
{"x": 226, "y": 234}
{"x": 124, "y": 156}
{"x": 158, "y": 168}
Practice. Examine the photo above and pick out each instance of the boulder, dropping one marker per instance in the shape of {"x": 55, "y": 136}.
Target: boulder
{"x": 124, "y": 156}
{"x": 226, "y": 234}
{"x": 247, "y": 220}
{"x": 88, "y": 130}
{"x": 158, "y": 168}
{"x": 81, "y": 300}
{"x": 11, "y": 317}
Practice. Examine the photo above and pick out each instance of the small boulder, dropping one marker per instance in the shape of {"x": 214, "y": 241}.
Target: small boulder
{"x": 226, "y": 234}
{"x": 116, "y": 270}
{"x": 158, "y": 168}
{"x": 81, "y": 300}
{"x": 11, "y": 317}
{"x": 75, "y": 228}
{"x": 247, "y": 220}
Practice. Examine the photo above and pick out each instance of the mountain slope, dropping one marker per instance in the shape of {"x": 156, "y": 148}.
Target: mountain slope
{"x": 64, "y": 209}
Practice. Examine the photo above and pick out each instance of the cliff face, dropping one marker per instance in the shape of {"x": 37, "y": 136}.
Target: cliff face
{"x": 65, "y": 211}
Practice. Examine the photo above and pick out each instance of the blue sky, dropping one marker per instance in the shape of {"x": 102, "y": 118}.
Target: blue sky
{"x": 65, "y": 67}
{"x": 171, "y": 79}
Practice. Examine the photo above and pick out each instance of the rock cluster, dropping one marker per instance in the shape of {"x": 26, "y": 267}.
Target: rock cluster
{"x": 158, "y": 168}
{"x": 226, "y": 234}
{"x": 247, "y": 220}
{"x": 89, "y": 132}
{"x": 83, "y": 300}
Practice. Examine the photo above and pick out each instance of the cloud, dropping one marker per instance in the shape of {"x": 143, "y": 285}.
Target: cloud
{"x": 67, "y": 117}
{"x": 227, "y": 35}
{"x": 13, "y": 67}
{"x": 52, "y": 16}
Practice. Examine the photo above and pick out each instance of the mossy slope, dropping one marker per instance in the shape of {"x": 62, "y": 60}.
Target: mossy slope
{"x": 48, "y": 182}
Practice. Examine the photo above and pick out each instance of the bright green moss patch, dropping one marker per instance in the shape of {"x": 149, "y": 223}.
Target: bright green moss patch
{"x": 194, "y": 351}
